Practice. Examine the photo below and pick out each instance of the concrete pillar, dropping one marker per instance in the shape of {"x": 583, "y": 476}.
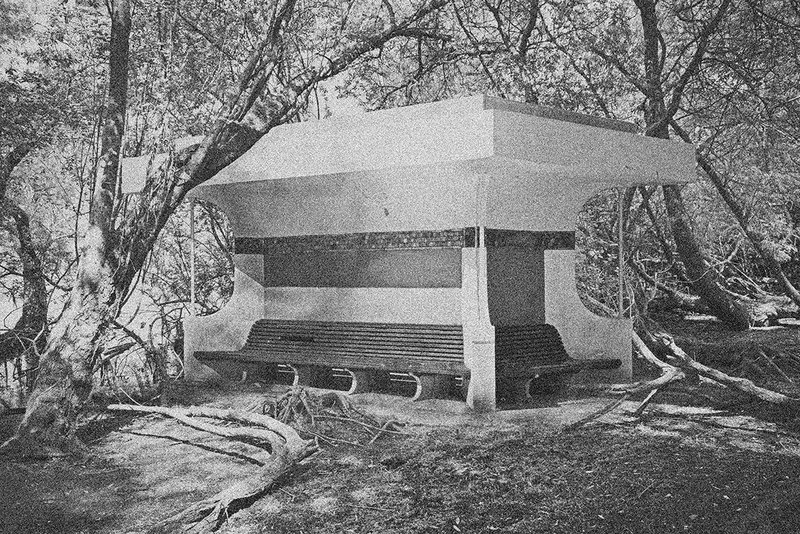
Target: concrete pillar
{"x": 479, "y": 340}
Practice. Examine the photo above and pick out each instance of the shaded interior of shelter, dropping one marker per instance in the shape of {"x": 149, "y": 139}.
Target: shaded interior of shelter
{"x": 515, "y": 276}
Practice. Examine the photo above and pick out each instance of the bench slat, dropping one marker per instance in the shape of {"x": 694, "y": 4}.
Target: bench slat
{"x": 520, "y": 350}
{"x": 351, "y": 361}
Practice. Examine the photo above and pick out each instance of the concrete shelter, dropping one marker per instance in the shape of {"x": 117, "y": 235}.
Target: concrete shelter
{"x": 459, "y": 213}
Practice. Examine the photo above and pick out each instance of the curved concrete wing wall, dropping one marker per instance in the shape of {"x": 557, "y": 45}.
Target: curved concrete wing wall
{"x": 585, "y": 335}
{"x": 226, "y": 329}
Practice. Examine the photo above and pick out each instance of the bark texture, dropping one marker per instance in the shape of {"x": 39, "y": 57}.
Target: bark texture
{"x": 65, "y": 378}
{"x": 758, "y": 240}
{"x": 27, "y": 339}
{"x": 704, "y": 280}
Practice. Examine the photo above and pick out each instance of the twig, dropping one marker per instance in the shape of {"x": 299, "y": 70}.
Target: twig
{"x": 373, "y": 508}
{"x": 775, "y": 366}
{"x": 331, "y": 439}
{"x": 599, "y": 413}
{"x": 647, "y": 399}
{"x": 641, "y": 493}
{"x": 384, "y": 428}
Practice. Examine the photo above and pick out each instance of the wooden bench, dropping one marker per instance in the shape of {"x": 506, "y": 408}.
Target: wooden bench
{"x": 431, "y": 354}
{"x": 532, "y": 359}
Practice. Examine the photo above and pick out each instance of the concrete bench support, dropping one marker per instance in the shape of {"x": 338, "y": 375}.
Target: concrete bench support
{"x": 364, "y": 381}
{"x": 431, "y": 386}
{"x": 309, "y": 375}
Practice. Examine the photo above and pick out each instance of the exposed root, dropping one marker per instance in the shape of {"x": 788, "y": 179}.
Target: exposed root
{"x": 595, "y": 415}
{"x": 742, "y": 385}
{"x": 327, "y": 416}
{"x": 286, "y": 446}
{"x": 680, "y": 366}
{"x": 317, "y": 416}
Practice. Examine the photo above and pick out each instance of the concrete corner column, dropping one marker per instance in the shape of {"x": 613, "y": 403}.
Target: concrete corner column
{"x": 479, "y": 340}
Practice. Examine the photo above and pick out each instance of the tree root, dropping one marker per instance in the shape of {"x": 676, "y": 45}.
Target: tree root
{"x": 323, "y": 416}
{"x": 683, "y": 367}
{"x": 596, "y": 415}
{"x": 315, "y": 415}
{"x": 286, "y": 446}
{"x": 742, "y": 385}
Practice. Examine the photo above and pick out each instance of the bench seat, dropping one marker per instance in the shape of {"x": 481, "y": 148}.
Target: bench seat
{"x": 431, "y": 354}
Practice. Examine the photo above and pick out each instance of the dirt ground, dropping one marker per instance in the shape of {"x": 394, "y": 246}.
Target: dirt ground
{"x": 682, "y": 468}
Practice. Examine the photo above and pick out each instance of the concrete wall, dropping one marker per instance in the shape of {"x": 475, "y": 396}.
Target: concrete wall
{"x": 585, "y": 334}
{"x": 515, "y": 280}
{"x": 228, "y": 328}
{"x": 421, "y": 267}
{"x": 381, "y": 305}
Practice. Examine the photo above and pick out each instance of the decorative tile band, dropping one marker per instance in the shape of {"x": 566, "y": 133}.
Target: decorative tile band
{"x": 460, "y": 238}
{"x": 522, "y": 238}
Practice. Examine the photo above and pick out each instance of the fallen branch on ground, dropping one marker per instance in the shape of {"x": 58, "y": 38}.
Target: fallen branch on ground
{"x": 595, "y": 415}
{"x": 287, "y": 448}
{"x": 740, "y": 384}
{"x": 669, "y": 374}
{"x": 681, "y": 366}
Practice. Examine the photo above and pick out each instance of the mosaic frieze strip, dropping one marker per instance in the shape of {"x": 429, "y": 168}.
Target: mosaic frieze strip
{"x": 460, "y": 238}
{"x": 361, "y": 241}
{"x": 521, "y": 238}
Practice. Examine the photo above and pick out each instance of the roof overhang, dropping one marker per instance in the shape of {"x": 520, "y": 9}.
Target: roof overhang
{"x": 477, "y": 134}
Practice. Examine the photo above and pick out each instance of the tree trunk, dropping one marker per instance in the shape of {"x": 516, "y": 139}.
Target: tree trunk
{"x": 114, "y": 251}
{"x": 757, "y": 239}
{"x": 28, "y": 337}
{"x": 65, "y": 378}
{"x": 705, "y": 281}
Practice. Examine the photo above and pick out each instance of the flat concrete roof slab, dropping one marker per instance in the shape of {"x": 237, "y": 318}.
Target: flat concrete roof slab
{"x": 477, "y": 135}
